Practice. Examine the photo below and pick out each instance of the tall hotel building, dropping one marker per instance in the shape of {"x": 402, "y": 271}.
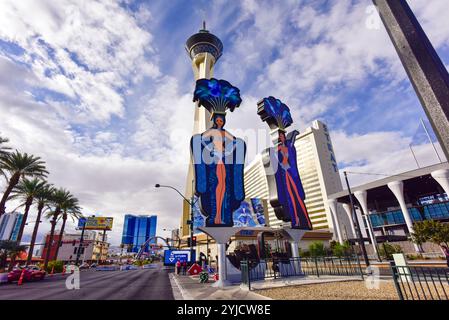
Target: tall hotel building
{"x": 10, "y": 225}
{"x": 318, "y": 169}
{"x": 137, "y": 230}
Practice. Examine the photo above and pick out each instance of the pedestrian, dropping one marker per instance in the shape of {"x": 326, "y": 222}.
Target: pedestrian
{"x": 445, "y": 250}
{"x": 184, "y": 268}
{"x": 178, "y": 266}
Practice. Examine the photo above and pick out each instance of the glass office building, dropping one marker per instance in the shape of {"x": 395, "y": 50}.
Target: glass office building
{"x": 137, "y": 230}
{"x": 10, "y": 225}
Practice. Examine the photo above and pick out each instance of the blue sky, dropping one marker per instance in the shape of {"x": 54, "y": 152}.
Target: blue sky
{"x": 102, "y": 90}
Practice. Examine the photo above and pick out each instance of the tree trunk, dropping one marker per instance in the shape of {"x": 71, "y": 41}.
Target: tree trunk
{"x": 36, "y": 228}
{"x": 50, "y": 240}
{"x": 64, "y": 219}
{"x": 28, "y": 203}
{"x": 13, "y": 181}
{"x": 12, "y": 262}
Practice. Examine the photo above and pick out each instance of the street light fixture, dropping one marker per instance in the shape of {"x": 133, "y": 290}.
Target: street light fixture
{"x": 191, "y": 204}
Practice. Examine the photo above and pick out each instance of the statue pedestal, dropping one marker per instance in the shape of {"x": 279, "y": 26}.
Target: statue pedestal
{"x": 221, "y": 235}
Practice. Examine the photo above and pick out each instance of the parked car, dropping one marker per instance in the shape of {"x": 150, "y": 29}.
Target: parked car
{"x": 32, "y": 273}
{"x": 93, "y": 265}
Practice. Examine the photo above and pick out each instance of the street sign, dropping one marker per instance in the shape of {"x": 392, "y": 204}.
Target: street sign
{"x": 81, "y": 222}
{"x": 172, "y": 256}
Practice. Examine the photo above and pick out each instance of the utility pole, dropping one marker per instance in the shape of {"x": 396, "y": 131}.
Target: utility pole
{"x": 430, "y": 140}
{"x": 357, "y": 224}
{"x": 414, "y": 156}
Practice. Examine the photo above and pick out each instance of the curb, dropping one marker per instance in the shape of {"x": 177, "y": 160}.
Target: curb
{"x": 178, "y": 291}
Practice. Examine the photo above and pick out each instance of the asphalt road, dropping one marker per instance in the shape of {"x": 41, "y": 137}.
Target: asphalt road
{"x": 147, "y": 284}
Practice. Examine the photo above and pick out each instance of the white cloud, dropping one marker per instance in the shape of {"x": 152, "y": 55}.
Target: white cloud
{"x": 379, "y": 154}
{"x": 88, "y": 51}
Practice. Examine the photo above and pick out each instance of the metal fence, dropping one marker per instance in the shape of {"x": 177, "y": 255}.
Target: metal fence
{"x": 421, "y": 283}
{"x": 299, "y": 267}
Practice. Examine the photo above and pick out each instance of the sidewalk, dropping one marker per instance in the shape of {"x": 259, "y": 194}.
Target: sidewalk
{"x": 190, "y": 288}
{"x": 297, "y": 281}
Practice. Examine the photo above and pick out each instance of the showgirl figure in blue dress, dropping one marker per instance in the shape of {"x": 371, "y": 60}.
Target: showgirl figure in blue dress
{"x": 218, "y": 156}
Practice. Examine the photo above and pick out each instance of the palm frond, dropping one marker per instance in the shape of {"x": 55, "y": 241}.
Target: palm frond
{"x": 24, "y": 164}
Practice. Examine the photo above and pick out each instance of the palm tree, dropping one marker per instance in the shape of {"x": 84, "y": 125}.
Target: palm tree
{"x": 25, "y": 191}
{"x": 43, "y": 197}
{"x": 58, "y": 200}
{"x": 20, "y": 165}
{"x": 3, "y": 152}
{"x": 69, "y": 208}
{"x": 11, "y": 249}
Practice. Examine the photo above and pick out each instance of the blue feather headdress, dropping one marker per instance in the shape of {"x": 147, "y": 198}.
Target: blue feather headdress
{"x": 275, "y": 113}
{"x": 216, "y": 96}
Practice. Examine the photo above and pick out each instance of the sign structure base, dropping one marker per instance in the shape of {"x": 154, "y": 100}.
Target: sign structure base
{"x": 224, "y": 234}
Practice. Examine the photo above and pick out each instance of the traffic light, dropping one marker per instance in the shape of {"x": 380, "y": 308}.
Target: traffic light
{"x": 191, "y": 242}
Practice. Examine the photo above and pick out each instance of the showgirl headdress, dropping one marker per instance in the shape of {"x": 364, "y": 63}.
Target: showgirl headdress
{"x": 275, "y": 113}
{"x": 216, "y": 96}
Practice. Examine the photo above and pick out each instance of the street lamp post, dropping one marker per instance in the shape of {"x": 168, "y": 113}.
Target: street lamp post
{"x": 190, "y": 222}
{"x": 354, "y": 217}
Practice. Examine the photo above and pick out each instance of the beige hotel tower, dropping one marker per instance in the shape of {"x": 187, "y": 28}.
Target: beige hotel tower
{"x": 320, "y": 177}
{"x": 204, "y": 49}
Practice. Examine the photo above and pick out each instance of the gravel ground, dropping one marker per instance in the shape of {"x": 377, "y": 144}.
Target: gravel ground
{"x": 351, "y": 290}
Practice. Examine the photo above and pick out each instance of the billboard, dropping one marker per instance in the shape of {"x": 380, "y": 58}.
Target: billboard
{"x": 251, "y": 213}
{"x": 96, "y": 223}
{"x": 172, "y": 256}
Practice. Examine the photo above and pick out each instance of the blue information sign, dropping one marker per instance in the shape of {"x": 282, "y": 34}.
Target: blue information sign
{"x": 172, "y": 256}
{"x": 81, "y": 222}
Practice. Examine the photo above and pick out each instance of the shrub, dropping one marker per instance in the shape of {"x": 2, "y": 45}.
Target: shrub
{"x": 304, "y": 253}
{"x": 387, "y": 250}
{"x": 58, "y": 266}
{"x": 341, "y": 250}
{"x": 317, "y": 249}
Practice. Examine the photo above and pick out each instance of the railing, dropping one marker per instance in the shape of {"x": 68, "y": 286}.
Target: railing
{"x": 421, "y": 283}
{"x": 275, "y": 268}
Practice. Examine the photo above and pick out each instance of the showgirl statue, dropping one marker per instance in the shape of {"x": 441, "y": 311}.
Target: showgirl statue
{"x": 218, "y": 156}
{"x": 285, "y": 188}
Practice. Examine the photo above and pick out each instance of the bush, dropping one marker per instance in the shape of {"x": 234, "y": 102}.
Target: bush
{"x": 387, "y": 250}
{"x": 58, "y": 266}
{"x": 317, "y": 249}
{"x": 304, "y": 253}
{"x": 341, "y": 250}
{"x": 416, "y": 257}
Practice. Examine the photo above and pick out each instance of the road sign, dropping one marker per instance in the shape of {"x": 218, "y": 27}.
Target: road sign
{"x": 81, "y": 222}
{"x": 172, "y": 256}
